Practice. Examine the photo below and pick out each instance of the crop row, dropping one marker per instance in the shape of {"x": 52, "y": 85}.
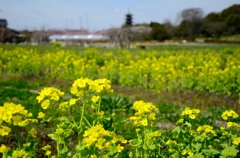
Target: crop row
{"x": 206, "y": 71}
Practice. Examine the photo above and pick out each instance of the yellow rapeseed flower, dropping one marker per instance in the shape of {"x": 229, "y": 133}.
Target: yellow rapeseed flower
{"x": 108, "y": 145}
{"x": 26, "y": 144}
{"x": 119, "y": 148}
{"x": 3, "y": 148}
{"x": 102, "y": 139}
{"x": 95, "y": 98}
{"x": 33, "y": 132}
{"x": 93, "y": 156}
{"x": 93, "y": 86}
{"x": 180, "y": 121}
{"x": 236, "y": 141}
{"x": 206, "y": 129}
{"x": 49, "y": 93}
{"x": 4, "y": 130}
{"x": 41, "y": 115}
{"x": 46, "y": 147}
{"x": 20, "y": 154}
{"x": 105, "y": 156}
{"x": 145, "y": 113}
{"x": 72, "y": 101}
{"x": 229, "y": 114}
{"x": 191, "y": 113}
{"x": 168, "y": 142}
{"x": 144, "y": 122}
{"x": 48, "y": 153}
{"x": 190, "y": 153}
{"x": 184, "y": 152}
{"x": 100, "y": 143}
{"x": 64, "y": 106}
{"x": 45, "y": 104}
{"x": 152, "y": 116}
{"x": 192, "y": 116}
{"x": 155, "y": 134}
{"x": 232, "y": 124}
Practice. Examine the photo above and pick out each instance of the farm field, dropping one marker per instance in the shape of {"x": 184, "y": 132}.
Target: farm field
{"x": 162, "y": 101}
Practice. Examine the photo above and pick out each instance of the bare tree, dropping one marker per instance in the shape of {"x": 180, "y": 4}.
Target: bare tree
{"x": 191, "y": 14}
{"x": 191, "y": 22}
{"x": 120, "y": 37}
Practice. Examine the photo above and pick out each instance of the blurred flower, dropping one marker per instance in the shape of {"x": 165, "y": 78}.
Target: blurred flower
{"x": 226, "y": 115}
{"x": 41, "y": 115}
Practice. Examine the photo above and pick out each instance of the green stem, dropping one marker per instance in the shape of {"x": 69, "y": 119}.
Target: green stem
{"x": 99, "y": 104}
{"x": 87, "y": 121}
{"x": 58, "y": 149}
{"x": 98, "y": 110}
{"x": 18, "y": 137}
{"x": 81, "y": 119}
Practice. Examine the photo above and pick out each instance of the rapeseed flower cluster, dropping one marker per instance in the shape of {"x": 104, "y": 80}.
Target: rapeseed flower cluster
{"x": 145, "y": 113}
{"x": 104, "y": 156}
{"x": 187, "y": 152}
{"x": 13, "y": 114}
{"x": 68, "y": 104}
{"x": 171, "y": 142}
{"x": 205, "y": 130}
{"x": 191, "y": 113}
{"x": 32, "y": 132}
{"x": 47, "y": 150}
{"x": 48, "y": 94}
{"x": 228, "y": 114}
{"x": 20, "y": 154}
{"x": 236, "y": 141}
{"x": 81, "y": 85}
{"x": 232, "y": 124}
{"x": 3, "y": 148}
{"x": 102, "y": 139}
{"x": 41, "y": 115}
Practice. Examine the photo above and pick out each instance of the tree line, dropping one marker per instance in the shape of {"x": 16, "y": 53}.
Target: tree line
{"x": 194, "y": 24}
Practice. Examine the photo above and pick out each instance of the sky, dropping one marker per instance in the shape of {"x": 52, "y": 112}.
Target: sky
{"x": 97, "y": 15}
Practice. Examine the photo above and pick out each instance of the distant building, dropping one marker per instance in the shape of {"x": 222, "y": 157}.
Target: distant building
{"x": 3, "y": 23}
{"x": 69, "y": 37}
{"x": 89, "y": 37}
{"x": 129, "y": 20}
{"x": 7, "y": 34}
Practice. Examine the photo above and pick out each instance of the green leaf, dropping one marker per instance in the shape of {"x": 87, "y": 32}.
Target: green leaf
{"x": 210, "y": 152}
{"x": 112, "y": 151}
{"x": 199, "y": 155}
{"x": 53, "y": 136}
{"x": 176, "y": 130}
{"x": 197, "y": 146}
{"x": 188, "y": 124}
{"x": 229, "y": 151}
{"x": 152, "y": 147}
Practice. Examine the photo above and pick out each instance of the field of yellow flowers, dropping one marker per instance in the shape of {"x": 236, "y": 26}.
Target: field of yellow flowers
{"x": 206, "y": 70}
{"x": 87, "y": 120}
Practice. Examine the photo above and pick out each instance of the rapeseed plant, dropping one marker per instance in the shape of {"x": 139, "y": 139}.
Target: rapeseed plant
{"x": 103, "y": 140}
{"x": 191, "y": 113}
{"x": 205, "y": 130}
{"x": 236, "y": 141}
{"x": 3, "y": 148}
{"x": 48, "y": 94}
{"x": 229, "y": 114}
